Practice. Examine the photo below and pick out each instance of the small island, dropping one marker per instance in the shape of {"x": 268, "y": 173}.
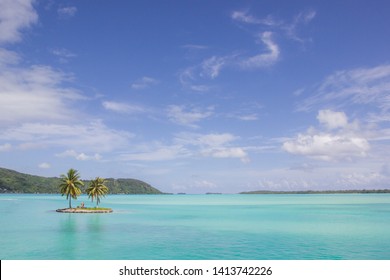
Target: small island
{"x": 85, "y": 210}
{"x": 70, "y": 186}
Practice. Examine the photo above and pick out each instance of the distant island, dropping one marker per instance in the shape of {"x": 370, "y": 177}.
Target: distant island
{"x": 319, "y": 192}
{"x": 15, "y": 182}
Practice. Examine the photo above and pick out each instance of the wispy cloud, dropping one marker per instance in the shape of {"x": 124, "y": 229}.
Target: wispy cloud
{"x": 357, "y": 87}
{"x": 263, "y": 59}
{"x": 8, "y": 57}
{"x": 271, "y": 25}
{"x": 195, "y": 47}
{"x": 245, "y": 17}
{"x": 89, "y": 137}
{"x": 227, "y": 152}
{"x": 189, "y": 78}
{"x": 212, "y": 66}
{"x": 123, "y": 108}
{"x": 63, "y": 54}
{"x": 5, "y": 147}
{"x": 289, "y": 28}
{"x": 249, "y": 117}
{"x": 246, "y": 111}
{"x": 188, "y": 116}
{"x": 205, "y": 140}
{"x": 44, "y": 165}
{"x": 144, "y": 82}
{"x": 198, "y": 76}
{"x": 156, "y": 152}
{"x": 67, "y": 12}
{"x": 14, "y": 17}
{"x": 35, "y": 93}
{"x": 302, "y": 18}
{"x": 215, "y": 145}
{"x": 190, "y": 146}
{"x": 37, "y": 102}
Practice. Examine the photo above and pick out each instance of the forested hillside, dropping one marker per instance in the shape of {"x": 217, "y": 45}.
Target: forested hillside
{"x": 15, "y": 182}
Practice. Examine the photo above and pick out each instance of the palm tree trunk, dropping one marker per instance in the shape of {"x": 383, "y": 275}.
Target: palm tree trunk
{"x": 70, "y": 203}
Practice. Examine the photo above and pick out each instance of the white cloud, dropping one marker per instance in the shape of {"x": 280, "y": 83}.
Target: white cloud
{"x": 83, "y": 156}
{"x": 5, "y": 147}
{"x": 37, "y": 105}
{"x": 8, "y": 57}
{"x": 332, "y": 119}
{"x": 263, "y": 59}
{"x": 67, "y": 12}
{"x": 15, "y": 15}
{"x": 122, "y": 107}
{"x": 344, "y": 144}
{"x": 326, "y": 146}
{"x": 79, "y": 156}
{"x": 34, "y": 94}
{"x": 226, "y": 152}
{"x": 44, "y": 165}
{"x": 92, "y": 137}
{"x": 187, "y": 117}
{"x": 143, "y": 83}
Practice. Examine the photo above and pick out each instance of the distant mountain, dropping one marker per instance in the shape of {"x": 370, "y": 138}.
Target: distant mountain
{"x": 15, "y": 182}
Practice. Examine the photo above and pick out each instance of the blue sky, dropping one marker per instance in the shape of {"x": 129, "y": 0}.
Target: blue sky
{"x": 198, "y": 96}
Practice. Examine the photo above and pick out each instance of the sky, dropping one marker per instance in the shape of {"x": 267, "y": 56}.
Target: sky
{"x": 198, "y": 96}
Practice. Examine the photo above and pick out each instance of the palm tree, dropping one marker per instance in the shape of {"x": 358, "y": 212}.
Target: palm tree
{"x": 96, "y": 189}
{"x": 70, "y": 185}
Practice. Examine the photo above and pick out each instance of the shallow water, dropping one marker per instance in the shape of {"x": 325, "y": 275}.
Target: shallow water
{"x": 338, "y": 226}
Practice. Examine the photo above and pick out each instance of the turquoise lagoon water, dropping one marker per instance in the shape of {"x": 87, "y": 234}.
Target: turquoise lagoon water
{"x": 193, "y": 227}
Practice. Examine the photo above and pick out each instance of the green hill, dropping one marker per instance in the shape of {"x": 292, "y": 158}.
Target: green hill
{"x": 15, "y": 182}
